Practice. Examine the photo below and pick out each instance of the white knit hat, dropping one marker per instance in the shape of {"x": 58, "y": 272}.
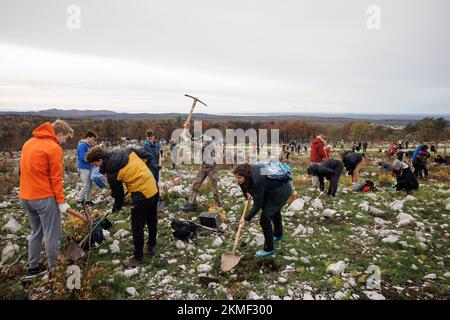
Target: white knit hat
{"x": 399, "y": 165}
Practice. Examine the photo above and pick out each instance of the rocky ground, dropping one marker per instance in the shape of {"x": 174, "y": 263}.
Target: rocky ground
{"x": 375, "y": 245}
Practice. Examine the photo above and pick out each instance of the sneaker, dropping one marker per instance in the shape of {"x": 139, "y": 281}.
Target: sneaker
{"x": 132, "y": 262}
{"x": 189, "y": 207}
{"x": 263, "y": 253}
{"x": 39, "y": 270}
{"x": 277, "y": 239}
{"x": 150, "y": 251}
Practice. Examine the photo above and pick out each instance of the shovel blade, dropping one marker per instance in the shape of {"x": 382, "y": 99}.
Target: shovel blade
{"x": 73, "y": 251}
{"x": 229, "y": 261}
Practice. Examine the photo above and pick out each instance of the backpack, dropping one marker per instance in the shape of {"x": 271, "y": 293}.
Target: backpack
{"x": 183, "y": 230}
{"x": 368, "y": 186}
{"x": 276, "y": 170}
{"x": 364, "y": 186}
{"x": 98, "y": 178}
{"x": 97, "y": 232}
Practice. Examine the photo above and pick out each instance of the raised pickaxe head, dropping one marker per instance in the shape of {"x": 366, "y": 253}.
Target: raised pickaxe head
{"x": 186, "y": 124}
{"x": 196, "y": 99}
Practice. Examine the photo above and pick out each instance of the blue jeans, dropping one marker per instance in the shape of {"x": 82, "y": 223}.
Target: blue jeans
{"x": 155, "y": 173}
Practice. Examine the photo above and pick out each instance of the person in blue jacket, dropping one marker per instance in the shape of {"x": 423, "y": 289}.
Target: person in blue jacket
{"x": 422, "y": 147}
{"x": 84, "y": 168}
{"x": 152, "y": 146}
{"x": 419, "y": 161}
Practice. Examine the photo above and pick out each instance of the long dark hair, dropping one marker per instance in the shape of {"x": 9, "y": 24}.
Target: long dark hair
{"x": 245, "y": 170}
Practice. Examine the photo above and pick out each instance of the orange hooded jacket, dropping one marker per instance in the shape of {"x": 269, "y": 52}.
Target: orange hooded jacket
{"x": 41, "y": 166}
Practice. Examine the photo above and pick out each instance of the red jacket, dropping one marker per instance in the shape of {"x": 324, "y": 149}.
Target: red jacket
{"x": 326, "y": 153}
{"x": 317, "y": 153}
{"x": 41, "y": 166}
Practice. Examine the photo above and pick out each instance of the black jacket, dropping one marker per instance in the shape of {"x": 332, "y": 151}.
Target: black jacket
{"x": 351, "y": 160}
{"x": 331, "y": 170}
{"x": 111, "y": 165}
{"x": 268, "y": 194}
{"x": 407, "y": 181}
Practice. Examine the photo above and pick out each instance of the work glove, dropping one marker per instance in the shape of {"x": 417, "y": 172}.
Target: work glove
{"x": 63, "y": 207}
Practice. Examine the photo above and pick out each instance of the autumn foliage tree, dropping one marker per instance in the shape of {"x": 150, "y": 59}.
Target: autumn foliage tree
{"x": 15, "y": 130}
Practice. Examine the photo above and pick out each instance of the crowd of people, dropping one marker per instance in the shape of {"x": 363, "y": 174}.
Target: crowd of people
{"x": 135, "y": 172}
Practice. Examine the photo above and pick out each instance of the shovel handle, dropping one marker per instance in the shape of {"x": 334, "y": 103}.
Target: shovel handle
{"x": 238, "y": 233}
{"x": 75, "y": 214}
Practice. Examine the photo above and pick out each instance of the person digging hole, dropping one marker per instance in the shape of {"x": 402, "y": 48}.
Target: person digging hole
{"x": 269, "y": 195}
{"x": 127, "y": 166}
{"x": 331, "y": 170}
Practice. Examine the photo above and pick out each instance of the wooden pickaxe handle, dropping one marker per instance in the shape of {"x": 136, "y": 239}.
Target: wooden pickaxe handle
{"x": 238, "y": 234}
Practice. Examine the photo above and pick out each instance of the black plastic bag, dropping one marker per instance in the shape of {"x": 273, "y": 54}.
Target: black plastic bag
{"x": 183, "y": 230}
{"x": 97, "y": 233}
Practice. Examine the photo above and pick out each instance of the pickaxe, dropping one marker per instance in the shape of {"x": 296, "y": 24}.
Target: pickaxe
{"x": 186, "y": 124}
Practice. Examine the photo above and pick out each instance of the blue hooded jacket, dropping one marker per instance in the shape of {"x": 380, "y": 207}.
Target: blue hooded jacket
{"x": 82, "y": 150}
{"x": 416, "y": 152}
{"x": 153, "y": 161}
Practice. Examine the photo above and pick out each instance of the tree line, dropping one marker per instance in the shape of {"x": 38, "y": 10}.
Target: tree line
{"x": 15, "y": 130}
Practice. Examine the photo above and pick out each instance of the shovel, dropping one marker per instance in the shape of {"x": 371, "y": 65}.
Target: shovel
{"x": 230, "y": 259}
{"x": 161, "y": 201}
{"x": 73, "y": 250}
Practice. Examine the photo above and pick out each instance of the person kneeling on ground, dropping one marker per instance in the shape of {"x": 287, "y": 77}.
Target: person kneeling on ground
{"x": 353, "y": 163}
{"x": 406, "y": 180}
{"x": 270, "y": 195}
{"x": 441, "y": 160}
{"x": 126, "y": 166}
{"x": 331, "y": 170}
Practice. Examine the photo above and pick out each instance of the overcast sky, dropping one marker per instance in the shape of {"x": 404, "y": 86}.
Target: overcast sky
{"x": 237, "y": 56}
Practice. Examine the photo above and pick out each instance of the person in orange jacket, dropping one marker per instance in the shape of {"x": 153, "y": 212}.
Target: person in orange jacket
{"x": 41, "y": 190}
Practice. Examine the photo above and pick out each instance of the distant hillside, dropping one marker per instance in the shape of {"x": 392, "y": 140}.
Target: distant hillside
{"x": 365, "y": 116}
{"x": 335, "y": 119}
